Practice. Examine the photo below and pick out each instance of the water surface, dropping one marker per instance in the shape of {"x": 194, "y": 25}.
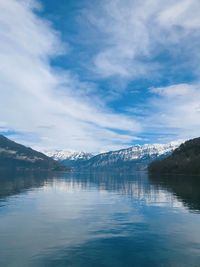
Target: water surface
{"x": 99, "y": 219}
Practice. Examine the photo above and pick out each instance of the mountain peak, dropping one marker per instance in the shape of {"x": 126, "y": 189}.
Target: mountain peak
{"x": 134, "y": 154}
{"x": 68, "y": 155}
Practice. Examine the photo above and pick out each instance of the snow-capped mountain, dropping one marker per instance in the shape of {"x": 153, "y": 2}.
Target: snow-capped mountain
{"x": 68, "y": 155}
{"x": 136, "y": 156}
{"x": 140, "y": 155}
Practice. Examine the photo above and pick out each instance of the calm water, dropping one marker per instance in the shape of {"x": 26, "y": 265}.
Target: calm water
{"x": 103, "y": 219}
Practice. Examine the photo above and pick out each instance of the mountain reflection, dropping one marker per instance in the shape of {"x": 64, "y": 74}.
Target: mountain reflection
{"x": 13, "y": 183}
{"x": 173, "y": 191}
{"x": 90, "y": 219}
{"x": 186, "y": 188}
{"x": 135, "y": 185}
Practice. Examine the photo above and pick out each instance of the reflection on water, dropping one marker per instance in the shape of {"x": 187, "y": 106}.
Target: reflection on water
{"x": 98, "y": 219}
{"x": 185, "y": 188}
{"x": 12, "y": 183}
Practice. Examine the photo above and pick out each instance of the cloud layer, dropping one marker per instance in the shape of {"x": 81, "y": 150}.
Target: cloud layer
{"x": 177, "y": 107}
{"x": 158, "y": 41}
{"x": 134, "y": 34}
{"x": 50, "y": 107}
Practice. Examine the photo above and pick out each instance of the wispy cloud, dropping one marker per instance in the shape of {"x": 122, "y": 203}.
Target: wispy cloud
{"x": 134, "y": 34}
{"x": 176, "y": 109}
{"x": 152, "y": 39}
{"x": 52, "y": 105}
{"x": 128, "y": 40}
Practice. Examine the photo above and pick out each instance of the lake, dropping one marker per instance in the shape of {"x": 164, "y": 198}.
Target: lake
{"x": 99, "y": 219}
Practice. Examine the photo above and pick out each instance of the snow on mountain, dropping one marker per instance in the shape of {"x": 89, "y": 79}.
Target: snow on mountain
{"x": 138, "y": 154}
{"x": 141, "y": 151}
{"x": 68, "y": 155}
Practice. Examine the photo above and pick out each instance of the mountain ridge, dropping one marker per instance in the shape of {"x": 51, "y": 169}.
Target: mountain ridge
{"x": 137, "y": 156}
{"x": 17, "y": 156}
{"x": 128, "y": 156}
{"x": 185, "y": 159}
{"x": 59, "y": 154}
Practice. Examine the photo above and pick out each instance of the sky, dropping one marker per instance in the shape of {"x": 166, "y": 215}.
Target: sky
{"x": 99, "y": 75}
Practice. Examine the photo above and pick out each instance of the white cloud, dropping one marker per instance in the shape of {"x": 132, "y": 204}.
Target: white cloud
{"x": 175, "y": 90}
{"x": 181, "y": 13}
{"x": 51, "y": 105}
{"x": 176, "y": 109}
{"x": 134, "y": 37}
{"x": 133, "y": 33}
{"x": 60, "y": 111}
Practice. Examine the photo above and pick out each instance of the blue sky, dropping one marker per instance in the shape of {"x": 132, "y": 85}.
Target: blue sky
{"x": 99, "y": 75}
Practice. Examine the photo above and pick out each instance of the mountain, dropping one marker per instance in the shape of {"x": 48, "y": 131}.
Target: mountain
{"x": 68, "y": 155}
{"x": 69, "y": 158}
{"x": 185, "y": 187}
{"x": 185, "y": 159}
{"x": 138, "y": 156}
{"x": 16, "y": 156}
